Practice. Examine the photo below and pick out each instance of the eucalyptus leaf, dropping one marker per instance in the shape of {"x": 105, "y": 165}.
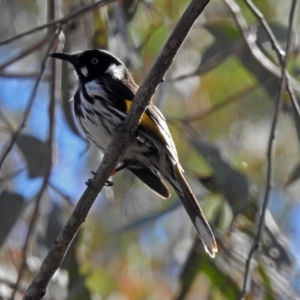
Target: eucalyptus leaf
{"x": 36, "y": 154}
{"x": 294, "y": 174}
{"x": 55, "y": 224}
{"x": 232, "y": 184}
{"x": 197, "y": 262}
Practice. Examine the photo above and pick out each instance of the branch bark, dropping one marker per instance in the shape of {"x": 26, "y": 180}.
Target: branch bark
{"x": 51, "y": 109}
{"x": 30, "y": 103}
{"x": 62, "y": 21}
{"x": 270, "y": 152}
{"x": 118, "y": 146}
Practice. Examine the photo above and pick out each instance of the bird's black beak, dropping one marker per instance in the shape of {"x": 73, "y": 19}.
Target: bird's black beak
{"x": 71, "y": 58}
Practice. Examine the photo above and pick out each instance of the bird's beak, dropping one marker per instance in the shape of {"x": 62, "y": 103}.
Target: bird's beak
{"x": 71, "y": 58}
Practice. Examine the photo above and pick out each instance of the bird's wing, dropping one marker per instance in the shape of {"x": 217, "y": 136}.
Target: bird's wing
{"x": 152, "y": 180}
{"x": 154, "y": 127}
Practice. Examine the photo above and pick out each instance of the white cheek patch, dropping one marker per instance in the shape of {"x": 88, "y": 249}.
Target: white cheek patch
{"x": 84, "y": 71}
{"x": 117, "y": 72}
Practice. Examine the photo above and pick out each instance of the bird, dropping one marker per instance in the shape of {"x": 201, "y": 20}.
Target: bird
{"x": 102, "y": 100}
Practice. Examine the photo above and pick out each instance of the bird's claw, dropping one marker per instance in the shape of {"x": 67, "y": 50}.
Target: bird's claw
{"x": 108, "y": 183}
{"x": 89, "y": 181}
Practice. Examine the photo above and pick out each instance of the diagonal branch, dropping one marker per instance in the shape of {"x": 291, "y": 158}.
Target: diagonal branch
{"x": 260, "y": 17}
{"x": 25, "y": 75}
{"x": 25, "y": 53}
{"x": 270, "y": 152}
{"x": 217, "y": 107}
{"x": 18, "y": 131}
{"x": 62, "y": 21}
{"x": 50, "y": 140}
{"x": 117, "y": 147}
{"x": 278, "y": 51}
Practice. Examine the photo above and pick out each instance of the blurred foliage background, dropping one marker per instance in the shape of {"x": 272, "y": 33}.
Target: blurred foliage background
{"x": 219, "y": 100}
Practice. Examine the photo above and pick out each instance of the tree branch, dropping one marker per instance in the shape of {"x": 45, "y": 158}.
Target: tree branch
{"x": 26, "y": 52}
{"x": 278, "y": 51}
{"x": 72, "y": 15}
{"x": 117, "y": 147}
{"x": 270, "y": 152}
{"x": 25, "y": 75}
{"x": 217, "y": 107}
{"x": 31, "y": 99}
{"x": 51, "y": 114}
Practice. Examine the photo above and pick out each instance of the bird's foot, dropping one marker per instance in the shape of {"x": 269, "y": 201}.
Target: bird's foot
{"x": 89, "y": 183}
{"x": 107, "y": 183}
{"x": 113, "y": 172}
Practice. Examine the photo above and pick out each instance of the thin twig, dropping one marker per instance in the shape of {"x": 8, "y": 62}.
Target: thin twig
{"x": 12, "y": 175}
{"x": 72, "y": 15}
{"x": 250, "y": 39}
{"x": 66, "y": 197}
{"x": 231, "y": 99}
{"x": 12, "y": 285}
{"x": 31, "y": 227}
{"x": 31, "y": 99}
{"x": 52, "y": 85}
{"x": 25, "y": 76}
{"x": 116, "y": 149}
{"x": 278, "y": 51}
{"x": 6, "y": 121}
{"x": 270, "y": 152}
{"x": 26, "y": 52}
{"x": 263, "y": 22}
{"x": 51, "y": 113}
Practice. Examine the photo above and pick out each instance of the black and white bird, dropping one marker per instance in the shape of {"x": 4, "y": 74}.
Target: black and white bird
{"x": 103, "y": 98}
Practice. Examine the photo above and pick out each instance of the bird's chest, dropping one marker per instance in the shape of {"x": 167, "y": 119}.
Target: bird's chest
{"x": 96, "y": 115}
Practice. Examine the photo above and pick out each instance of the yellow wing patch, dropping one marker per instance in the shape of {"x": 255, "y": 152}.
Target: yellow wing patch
{"x": 128, "y": 105}
{"x": 147, "y": 122}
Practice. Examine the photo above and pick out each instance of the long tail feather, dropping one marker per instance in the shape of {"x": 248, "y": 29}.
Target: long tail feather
{"x": 195, "y": 212}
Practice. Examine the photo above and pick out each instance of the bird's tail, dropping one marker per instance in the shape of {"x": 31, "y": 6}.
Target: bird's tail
{"x": 194, "y": 211}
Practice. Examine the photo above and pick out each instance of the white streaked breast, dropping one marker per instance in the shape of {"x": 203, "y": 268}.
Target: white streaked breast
{"x": 93, "y": 88}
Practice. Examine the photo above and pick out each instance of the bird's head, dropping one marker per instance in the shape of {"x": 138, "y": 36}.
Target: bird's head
{"x": 92, "y": 64}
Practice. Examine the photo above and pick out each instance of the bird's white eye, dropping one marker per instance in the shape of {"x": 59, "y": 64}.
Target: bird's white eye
{"x": 94, "y": 61}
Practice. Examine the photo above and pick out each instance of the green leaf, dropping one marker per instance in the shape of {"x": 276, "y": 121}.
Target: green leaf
{"x": 77, "y": 288}
{"x": 232, "y": 184}
{"x": 213, "y": 56}
{"x": 55, "y": 224}
{"x": 154, "y": 45}
{"x": 266, "y": 279}
{"x": 294, "y": 175}
{"x": 224, "y": 31}
{"x": 197, "y": 262}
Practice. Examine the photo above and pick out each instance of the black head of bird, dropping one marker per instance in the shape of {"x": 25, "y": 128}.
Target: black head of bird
{"x": 93, "y": 63}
